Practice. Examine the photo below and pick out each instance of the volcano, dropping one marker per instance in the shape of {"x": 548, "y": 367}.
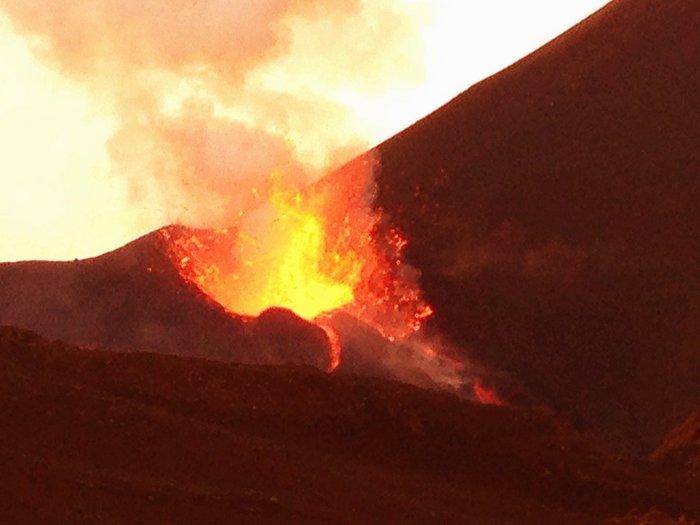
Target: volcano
{"x": 548, "y": 219}
{"x": 535, "y": 243}
{"x": 136, "y": 299}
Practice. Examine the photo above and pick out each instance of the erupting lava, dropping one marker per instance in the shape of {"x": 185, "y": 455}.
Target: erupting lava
{"x": 312, "y": 250}
{"x": 325, "y": 253}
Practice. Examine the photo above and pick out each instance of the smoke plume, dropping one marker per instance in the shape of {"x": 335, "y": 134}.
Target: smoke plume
{"x": 210, "y": 96}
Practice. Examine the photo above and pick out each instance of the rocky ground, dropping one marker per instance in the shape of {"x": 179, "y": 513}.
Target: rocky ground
{"x": 92, "y": 436}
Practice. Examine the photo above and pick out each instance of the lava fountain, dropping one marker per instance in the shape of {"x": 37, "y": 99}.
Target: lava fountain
{"x": 316, "y": 251}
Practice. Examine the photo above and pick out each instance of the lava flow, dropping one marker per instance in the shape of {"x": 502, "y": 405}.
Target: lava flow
{"x": 314, "y": 251}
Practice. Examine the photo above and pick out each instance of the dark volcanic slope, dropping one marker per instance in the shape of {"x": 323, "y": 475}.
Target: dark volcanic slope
{"x": 141, "y": 438}
{"x": 553, "y": 210}
{"x": 134, "y": 299}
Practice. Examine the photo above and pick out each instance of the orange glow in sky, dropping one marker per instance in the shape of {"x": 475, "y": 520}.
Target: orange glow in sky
{"x": 102, "y": 143}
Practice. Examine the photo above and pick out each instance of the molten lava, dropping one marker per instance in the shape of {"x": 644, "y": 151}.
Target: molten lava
{"x": 321, "y": 251}
{"x": 335, "y": 346}
{"x": 311, "y": 250}
{"x": 289, "y": 261}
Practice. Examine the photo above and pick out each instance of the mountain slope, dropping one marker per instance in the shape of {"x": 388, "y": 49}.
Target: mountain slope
{"x": 552, "y": 210}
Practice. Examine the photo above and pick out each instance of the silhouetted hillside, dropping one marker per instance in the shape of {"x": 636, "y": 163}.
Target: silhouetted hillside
{"x": 553, "y": 212}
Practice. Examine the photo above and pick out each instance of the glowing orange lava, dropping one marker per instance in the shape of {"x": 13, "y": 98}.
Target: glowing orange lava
{"x": 486, "y": 396}
{"x": 325, "y": 253}
{"x": 290, "y": 262}
{"x": 311, "y": 250}
{"x": 335, "y": 347}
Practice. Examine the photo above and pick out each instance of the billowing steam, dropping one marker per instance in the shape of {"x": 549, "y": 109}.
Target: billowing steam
{"x": 225, "y": 113}
{"x": 211, "y": 96}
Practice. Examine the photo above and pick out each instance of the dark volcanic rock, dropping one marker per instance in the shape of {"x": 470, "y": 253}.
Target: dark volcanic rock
{"x": 307, "y": 343}
{"x": 553, "y": 212}
{"x": 93, "y": 436}
{"x": 135, "y": 299}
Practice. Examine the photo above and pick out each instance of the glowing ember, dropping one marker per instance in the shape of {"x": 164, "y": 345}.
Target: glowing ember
{"x": 486, "y": 395}
{"x": 336, "y": 350}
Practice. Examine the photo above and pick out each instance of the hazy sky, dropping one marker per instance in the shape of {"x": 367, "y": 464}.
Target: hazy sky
{"x": 118, "y": 119}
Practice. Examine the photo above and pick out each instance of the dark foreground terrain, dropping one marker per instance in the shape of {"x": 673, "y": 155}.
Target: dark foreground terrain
{"x": 91, "y": 436}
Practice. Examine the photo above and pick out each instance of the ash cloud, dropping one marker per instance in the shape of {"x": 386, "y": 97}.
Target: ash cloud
{"x": 209, "y": 97}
